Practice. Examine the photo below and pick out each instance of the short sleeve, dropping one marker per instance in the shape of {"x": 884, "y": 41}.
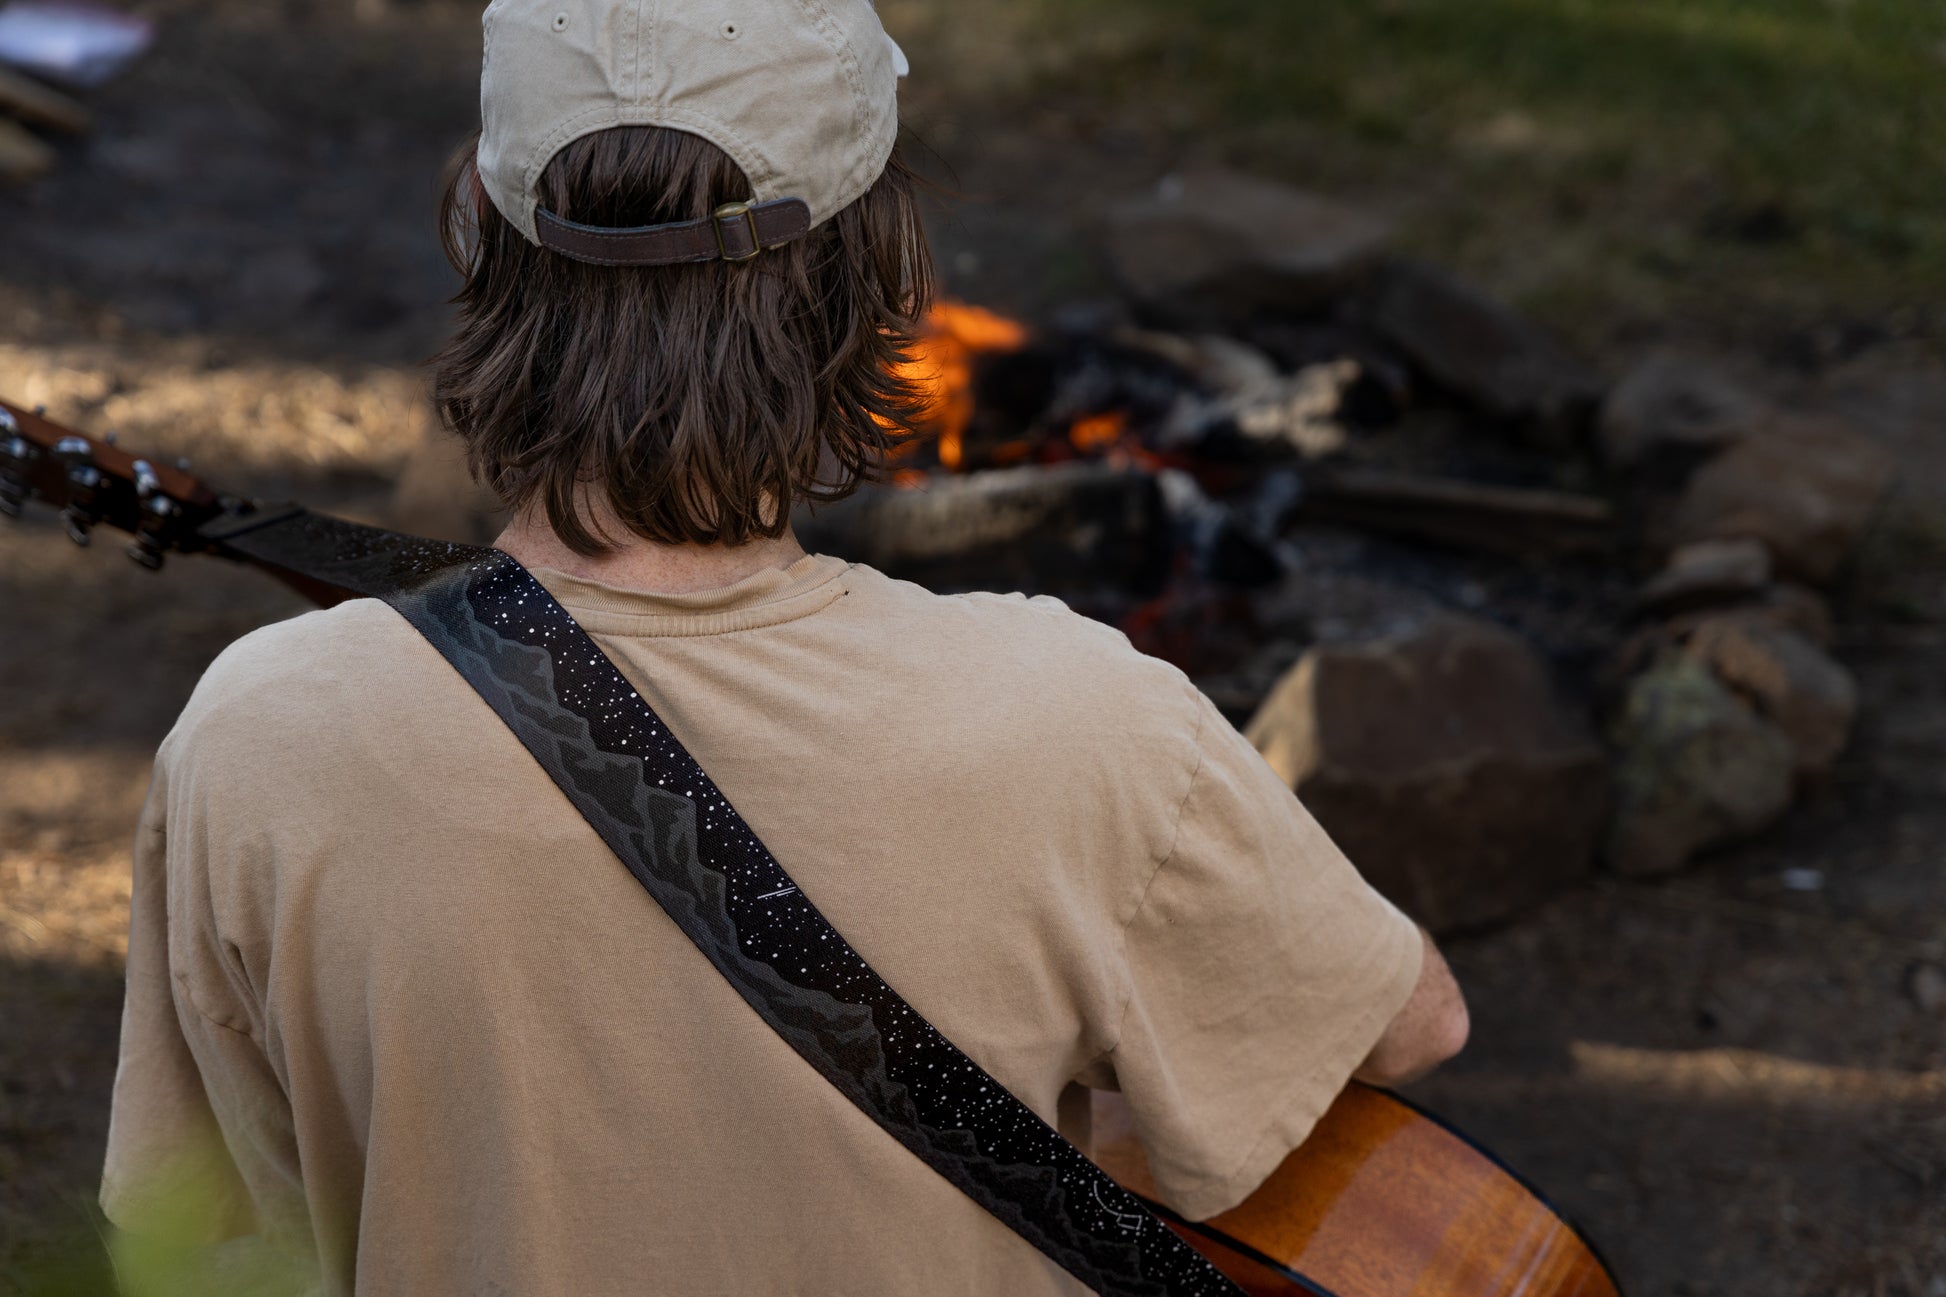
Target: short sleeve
{"x": 188, "y": 1089}
{"x": 1263, "y": 969}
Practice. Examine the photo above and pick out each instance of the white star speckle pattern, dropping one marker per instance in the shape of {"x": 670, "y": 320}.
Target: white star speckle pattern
{"x": 667, "y": 822}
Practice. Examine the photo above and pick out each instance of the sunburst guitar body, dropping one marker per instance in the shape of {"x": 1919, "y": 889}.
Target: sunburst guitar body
{"x": 1381, "y": 1200}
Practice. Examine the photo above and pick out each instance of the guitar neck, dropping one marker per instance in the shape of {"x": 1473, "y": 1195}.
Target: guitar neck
{"x": 160, "y": 505}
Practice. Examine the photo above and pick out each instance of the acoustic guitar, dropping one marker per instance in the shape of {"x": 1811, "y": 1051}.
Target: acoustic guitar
{"x": 1382, "y": 1200}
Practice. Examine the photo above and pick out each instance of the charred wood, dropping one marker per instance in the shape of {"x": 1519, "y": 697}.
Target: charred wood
{"x": 1494, "y": 519}
{"x": 39, "y": 104}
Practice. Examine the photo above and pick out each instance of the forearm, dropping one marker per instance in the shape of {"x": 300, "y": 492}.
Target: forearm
{"x": 1430, "y": 1028}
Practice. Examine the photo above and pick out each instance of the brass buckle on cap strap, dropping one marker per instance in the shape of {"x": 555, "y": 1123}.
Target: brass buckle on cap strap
{"x": 728, "y": 212}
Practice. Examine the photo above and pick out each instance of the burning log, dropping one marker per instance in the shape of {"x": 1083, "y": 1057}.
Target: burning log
{"x": 1072, "y": 529}
{"x": 1065, "y": 395}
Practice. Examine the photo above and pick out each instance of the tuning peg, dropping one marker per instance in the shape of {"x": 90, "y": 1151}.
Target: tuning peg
{"x": 146, "y": 552}
{"x": 16, "y": 452}
{"x": 79, "y": 456}
{"x": 84, "y": 485}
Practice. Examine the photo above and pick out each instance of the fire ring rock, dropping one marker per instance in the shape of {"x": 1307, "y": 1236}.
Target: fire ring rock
{"x": 1695, "y": 768}
{"x": 1480, "y": 350}
{"x": 1672, "y": 412}
{"x": 1212, "y": 247}
{"x": 1444, "y": 765}
{"x": 1787, "y": 678}
{"x": 1805, "y": 487}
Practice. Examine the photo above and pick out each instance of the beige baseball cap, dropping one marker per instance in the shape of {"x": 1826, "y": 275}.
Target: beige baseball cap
{"x": 802, "y": 94}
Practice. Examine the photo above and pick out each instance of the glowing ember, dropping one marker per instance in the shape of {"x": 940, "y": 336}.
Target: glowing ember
{"x": 1096, "y": 432}
{"x": 942, "y": 365}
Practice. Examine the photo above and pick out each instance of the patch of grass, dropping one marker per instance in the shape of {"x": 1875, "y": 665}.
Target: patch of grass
{"x": 1725, "y": 155}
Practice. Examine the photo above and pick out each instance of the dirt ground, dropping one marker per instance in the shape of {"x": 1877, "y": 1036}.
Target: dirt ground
{"x": 1732, "y": 1083}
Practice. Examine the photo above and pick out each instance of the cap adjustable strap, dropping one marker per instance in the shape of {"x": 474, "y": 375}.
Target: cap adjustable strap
{"x": 734, "y": 232}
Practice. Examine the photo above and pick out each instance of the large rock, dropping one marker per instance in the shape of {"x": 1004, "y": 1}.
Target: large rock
{"x": 1444, "y": 765}
{"x": 1671, "y": 412}
{"x": 1804, "y": 486}
{"x": 1214, "y": 248}
{"x": 1480, "y": 350}
{"x": 1787, "y": 678}
{"x": 1695, "y": 768}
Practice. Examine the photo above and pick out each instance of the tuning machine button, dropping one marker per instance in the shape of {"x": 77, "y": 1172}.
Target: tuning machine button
{"x": 16, "y": 453}
{"x": 84, "y": 487}
{"x": 146, "y": 551}
{"x": 84, "y": 479}
{"x": 147, "y": 548}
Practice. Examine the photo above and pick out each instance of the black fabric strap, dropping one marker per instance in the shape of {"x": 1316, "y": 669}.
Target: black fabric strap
{"x": 639, "y": 788}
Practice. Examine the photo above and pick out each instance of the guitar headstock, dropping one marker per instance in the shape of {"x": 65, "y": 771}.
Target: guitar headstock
{"x": 96, "y": 483}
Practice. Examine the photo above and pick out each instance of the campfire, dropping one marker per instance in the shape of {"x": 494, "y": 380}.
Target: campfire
{"x": 1492, "y": 618}
{"x": 1156, "y": 475}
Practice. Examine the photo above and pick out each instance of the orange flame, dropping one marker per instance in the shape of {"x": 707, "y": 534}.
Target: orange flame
{"x": 942, "y": 366}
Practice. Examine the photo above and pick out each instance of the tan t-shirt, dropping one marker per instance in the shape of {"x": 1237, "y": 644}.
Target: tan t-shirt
{"x": 390, "y": 999}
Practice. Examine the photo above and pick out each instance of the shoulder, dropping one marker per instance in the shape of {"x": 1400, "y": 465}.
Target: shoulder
{"x": 305, "y": 676}
{"x": 1037, "y": 651}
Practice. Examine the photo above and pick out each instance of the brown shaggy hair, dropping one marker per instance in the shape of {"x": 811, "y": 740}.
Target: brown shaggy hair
{"x": 698, "y": 402}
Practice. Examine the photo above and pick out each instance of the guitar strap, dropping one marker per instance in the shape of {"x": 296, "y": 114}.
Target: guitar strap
{"x": 670, "y": 825}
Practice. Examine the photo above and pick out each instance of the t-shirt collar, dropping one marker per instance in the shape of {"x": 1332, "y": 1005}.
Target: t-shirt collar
{"x": 763, "y": 598}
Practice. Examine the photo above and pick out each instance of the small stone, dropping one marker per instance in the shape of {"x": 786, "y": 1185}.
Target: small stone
{"x": 1710, "y": 571}
{"x": 1926, "y": 984}
{"x": 1445, "y": 766}
{"x": 1671, "y": 412}
{"x": 1695, "y": 768}
{"x": 1787, "y": 678}
{"x": 1805, "y": 487}
{"x": 1215, "y": 248}
{"x": 1802, "y": 880}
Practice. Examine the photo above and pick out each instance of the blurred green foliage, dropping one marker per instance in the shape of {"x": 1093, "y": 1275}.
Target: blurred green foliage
{"x": 1790, "y": 150}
